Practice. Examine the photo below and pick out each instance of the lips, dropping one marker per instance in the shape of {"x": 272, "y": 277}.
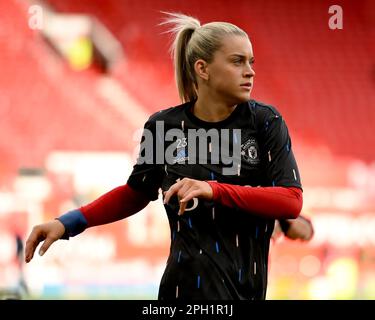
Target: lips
{"x": 246, "y": 85}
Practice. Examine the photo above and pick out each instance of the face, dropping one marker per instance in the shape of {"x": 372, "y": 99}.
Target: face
{"x": 231, "y": 74}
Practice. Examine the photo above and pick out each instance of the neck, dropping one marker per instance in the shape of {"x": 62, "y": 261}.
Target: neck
{"x": 212, "y": 110}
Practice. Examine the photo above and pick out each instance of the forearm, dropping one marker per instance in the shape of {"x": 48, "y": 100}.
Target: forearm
{"x": 117, "y": 204}
{"x": 267, "y": 202}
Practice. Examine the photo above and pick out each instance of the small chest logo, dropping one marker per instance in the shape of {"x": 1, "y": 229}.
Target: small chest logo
{"x": 250, "y": 151}
{"x": 181, "y": 151}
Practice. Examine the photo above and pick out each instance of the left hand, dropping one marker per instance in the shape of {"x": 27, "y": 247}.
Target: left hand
{"x": 300, "y": 228}
{"x": 187, "y": 189}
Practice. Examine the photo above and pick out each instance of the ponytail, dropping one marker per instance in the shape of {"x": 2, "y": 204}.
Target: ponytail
{"x": 183, "y": 29}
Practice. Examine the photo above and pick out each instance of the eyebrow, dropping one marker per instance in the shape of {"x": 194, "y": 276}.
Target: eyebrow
{"x": 241, "y": 56}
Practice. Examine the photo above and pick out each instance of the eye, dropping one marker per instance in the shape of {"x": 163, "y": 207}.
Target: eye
{"x": 237, "y": 62}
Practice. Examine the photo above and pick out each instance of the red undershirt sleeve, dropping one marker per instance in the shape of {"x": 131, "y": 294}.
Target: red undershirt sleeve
{"x": 267, "y": 202}
{"x": 114, "y": 205}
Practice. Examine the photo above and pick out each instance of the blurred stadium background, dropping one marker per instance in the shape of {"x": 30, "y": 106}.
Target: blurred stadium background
{"x": 79, "y": 78}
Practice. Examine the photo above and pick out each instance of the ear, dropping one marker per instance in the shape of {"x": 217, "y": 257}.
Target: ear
{"x": 201, "y": 69}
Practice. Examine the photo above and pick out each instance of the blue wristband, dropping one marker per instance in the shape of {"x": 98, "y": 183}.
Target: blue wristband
{"x": 74, "y": 222}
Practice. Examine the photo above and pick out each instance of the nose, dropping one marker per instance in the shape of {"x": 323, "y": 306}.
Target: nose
{"x": 249, "y": 71}
{"x": 252, "y": 72}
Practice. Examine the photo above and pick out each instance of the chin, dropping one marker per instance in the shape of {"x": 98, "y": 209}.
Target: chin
{"x": 239, "y": 99}
{"x": 244, "y": 98}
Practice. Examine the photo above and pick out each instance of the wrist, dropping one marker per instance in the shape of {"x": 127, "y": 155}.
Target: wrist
{"x": 209, "y": 191}
{"x": 213, "y": 189}
{"x": 74, "y": 223}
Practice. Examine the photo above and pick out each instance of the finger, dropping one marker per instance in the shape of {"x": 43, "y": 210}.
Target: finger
{"x": 183, "y": 190}
{"x": 29, "y": 251}
{"x": 46, "y": 244}
{"x": 182, "y": 208}
{"x": 171, "y": 191}
{"x": 169, "y": 194}
{"x": 192, "y": 193}
{"x": 189, "y": 194}
{"x": 31, "y": 244}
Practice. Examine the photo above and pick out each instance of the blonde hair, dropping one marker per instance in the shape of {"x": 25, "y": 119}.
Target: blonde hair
{"x": 193, "y": 41}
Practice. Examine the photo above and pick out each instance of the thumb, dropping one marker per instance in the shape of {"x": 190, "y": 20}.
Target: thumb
{"x": 46, "y": 244}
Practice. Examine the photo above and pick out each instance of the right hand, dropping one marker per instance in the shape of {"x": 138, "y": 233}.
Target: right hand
{"x": 48, "y": 232}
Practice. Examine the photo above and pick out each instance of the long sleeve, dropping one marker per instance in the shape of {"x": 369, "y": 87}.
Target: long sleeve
{"x": 267, "y": 202}
{"x": 114, "y": 205}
